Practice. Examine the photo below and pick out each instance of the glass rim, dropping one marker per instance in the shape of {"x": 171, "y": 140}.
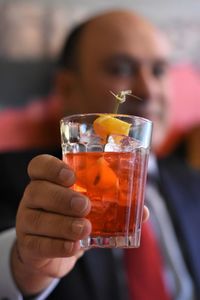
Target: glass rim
{"x": 66, "y": 118}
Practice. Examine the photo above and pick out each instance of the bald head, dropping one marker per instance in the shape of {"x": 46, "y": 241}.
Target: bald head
{"x": 114, "y": 30}
{"x": 111, "y": 28}
{"x": 118, "y": 20}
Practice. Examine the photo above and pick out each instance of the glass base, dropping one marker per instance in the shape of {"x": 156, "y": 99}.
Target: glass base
{"x": 130, "y": 241}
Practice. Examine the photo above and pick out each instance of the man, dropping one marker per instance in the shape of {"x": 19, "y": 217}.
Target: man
{"x": 113, "y": 51}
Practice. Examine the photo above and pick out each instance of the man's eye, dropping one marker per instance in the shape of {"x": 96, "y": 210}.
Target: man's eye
{"x": 159, "y": 70}
{"x": 123, "y": 70}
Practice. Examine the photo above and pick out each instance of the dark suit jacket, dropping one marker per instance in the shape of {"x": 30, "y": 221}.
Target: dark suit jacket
{"x": 99, "y": 274}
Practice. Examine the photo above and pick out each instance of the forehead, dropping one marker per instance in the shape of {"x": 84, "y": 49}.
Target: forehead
{"x": 123, "y": 35}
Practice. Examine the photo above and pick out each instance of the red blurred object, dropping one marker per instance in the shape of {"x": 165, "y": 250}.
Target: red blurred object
{"x": 144, "y": 269}
{"x": 184, "y": 105}
{"x": 33, "y": 126}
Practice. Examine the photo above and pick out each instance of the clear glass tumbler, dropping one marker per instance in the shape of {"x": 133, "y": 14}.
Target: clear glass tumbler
{"x": 109, "y": 154}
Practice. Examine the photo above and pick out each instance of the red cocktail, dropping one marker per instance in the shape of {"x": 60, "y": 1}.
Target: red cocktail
{"x": 114, "y": 182}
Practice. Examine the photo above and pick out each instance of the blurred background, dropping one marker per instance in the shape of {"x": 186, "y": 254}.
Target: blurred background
{"x": 31, "y": 35}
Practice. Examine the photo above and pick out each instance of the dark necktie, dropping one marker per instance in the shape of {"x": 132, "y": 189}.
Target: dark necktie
{"x": 144, "y": 269}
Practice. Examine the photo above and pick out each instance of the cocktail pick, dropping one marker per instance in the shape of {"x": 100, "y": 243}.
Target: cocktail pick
{"x": 121, "y": 98}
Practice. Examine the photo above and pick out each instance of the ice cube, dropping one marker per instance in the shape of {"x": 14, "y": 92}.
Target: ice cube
{"x": 121, "y": 143}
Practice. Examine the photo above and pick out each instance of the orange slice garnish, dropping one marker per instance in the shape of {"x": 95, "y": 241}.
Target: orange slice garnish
{"x": 97, "y": 176}
{"x": 106, "y": 125}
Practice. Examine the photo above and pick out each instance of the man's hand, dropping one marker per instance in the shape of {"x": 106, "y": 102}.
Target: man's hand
{"x": 50, "y": 222}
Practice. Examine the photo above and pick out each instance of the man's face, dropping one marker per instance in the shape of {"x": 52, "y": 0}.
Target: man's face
{"x": 121, "y": 53}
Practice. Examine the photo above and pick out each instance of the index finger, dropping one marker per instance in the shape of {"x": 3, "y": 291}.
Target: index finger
{"x": 50, "y": 168}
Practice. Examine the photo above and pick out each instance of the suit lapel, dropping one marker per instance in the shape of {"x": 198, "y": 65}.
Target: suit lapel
{"x": 180, "y": 187}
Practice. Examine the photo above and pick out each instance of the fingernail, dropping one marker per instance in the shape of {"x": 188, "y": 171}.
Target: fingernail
{"x": 66, "y": 176}
{"x": 79, "y": 204}
{"x": 69, "y": 246}
{"x": 77, "y": 227}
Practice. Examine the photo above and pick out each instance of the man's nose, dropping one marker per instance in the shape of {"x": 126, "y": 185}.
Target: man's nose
{"x": 144, "y": 85}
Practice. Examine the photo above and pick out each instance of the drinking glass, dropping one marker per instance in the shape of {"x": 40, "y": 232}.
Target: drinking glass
{"x": 110, "y": 162}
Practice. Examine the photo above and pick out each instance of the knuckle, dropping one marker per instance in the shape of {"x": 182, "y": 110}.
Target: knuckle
{"x": 36, "y": 245}
{"x": 35, "y": 220}
{"x": 33, "y": 190}
{"x": 31, "y": 243}
{"x": 58, "y": 196}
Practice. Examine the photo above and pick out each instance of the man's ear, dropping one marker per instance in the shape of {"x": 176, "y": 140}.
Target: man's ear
{"x": 64, "y": 82}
